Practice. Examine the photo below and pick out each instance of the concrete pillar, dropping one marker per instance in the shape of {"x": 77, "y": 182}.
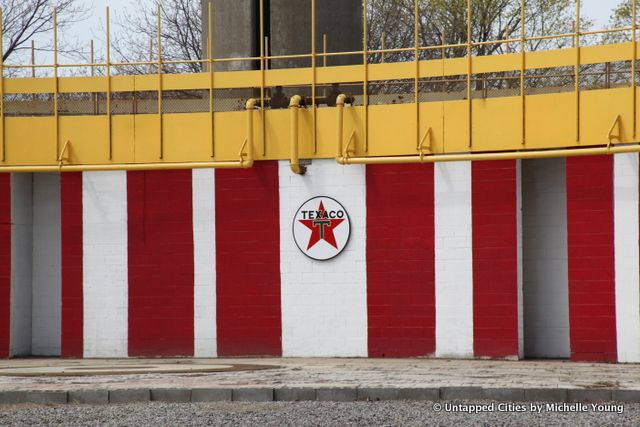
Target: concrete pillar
{"x": 236, "y": 30}
{"x": 290, "y": 30}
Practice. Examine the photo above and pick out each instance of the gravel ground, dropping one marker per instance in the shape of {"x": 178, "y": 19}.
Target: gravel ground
{"x": 305, "y": 414}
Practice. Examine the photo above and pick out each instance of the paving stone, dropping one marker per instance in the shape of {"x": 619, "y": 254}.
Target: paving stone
{"x": 253, "y": 394}
{"x": 129, "y": 395}
{"x": 295, "y": 394}
{"x": 337, "y": 394}
{"x": 589, "y": 395}
{"x": 92, "y": 397}
{"x": 626, "y": 395}
{"x": 503, "y": 394}
{"x": 545, "y": 395}
{"x": 460, "y": 393}
{"x": 377, "y": 393}
{"x": 430, "y": 394}
{"x": 211, "y": 394}
{"x": 12, "y": 397}
{"x": 175, "y": 395}
{"x": 46, "y": 397}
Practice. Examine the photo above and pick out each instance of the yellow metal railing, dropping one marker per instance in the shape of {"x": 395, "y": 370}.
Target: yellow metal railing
{"x": 139, "y": 141}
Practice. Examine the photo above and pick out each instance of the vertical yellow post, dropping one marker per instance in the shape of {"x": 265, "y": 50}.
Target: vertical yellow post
{"x": 150, "y": 65}
{"x": 634, "y": 23}
{"x": 383, "y": 47}
{"x": 324, "y": 49}
{"x": 365, "y": 84}
{"x": 92, "y": 61}
{"x": 33, "y": 58}
{"x": 266, "y": 52}
{"x": 469, "y": 74}
{"x": 160, "y": 116}
{"x": 108, "y": 57}
{"x": 314, "y": 77}
{"x": 55, "y": 76}
{"x": 211, "y": 76}
{"x": 416, "y": 87}
{"x": 262, "y": 81}
{"x": 577, "y": 70}
{"x": 2, "y": 142}
{"x": 523, "y": 68}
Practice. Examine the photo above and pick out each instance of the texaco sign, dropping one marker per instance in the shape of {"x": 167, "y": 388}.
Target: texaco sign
{"x": 321, "y": 228}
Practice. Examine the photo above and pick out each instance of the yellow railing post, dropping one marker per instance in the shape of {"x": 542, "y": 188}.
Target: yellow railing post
{"x": 523, "y": 68}
{"x": 2, "y": 139}
{"x": 160, "y": 115}
{"x": 294, "y": 108}
{"x": 57, "y": 82}
{"x": 211, "y": 77}
{"x": 469, "y": 73}
{"x": 314, "y": 77}
{"x": 109, "y": 89}
{"x": 365, "y": 84}
{"x": 634, "y": 23}
{"x": 577, "y": 71}
{"x": 263, "y": 133}
{"x": 416, "y": 87}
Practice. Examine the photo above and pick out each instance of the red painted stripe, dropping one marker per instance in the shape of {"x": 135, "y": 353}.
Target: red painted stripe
{"x": 248, "y": 261}
{"x": 400, "y": 261}
{"x": 72, "y": 301}
{"x": 495, "y": 258}
{"x": 160, "y": 243}
{"x": 590, "y": 217}
{"x": 5, "y": 264}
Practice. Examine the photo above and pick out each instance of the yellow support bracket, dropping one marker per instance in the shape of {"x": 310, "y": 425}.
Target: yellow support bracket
{"x": 61, "y": 157}
{"x": 421, "y": 147}
{"x": 617, "y": 123}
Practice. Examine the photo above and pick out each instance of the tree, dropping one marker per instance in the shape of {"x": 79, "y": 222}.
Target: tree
{"x": 181, "y": 38}
{"x": 25, "y": 20}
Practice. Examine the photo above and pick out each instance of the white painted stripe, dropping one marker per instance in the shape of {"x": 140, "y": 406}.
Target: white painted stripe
{"x": 454, "y": 260}
{"x": 104, "y": 197}
{"x": 627, "y": 256}
{"x": 21, "y": 263}
{"x": 46, "y": 296}
{"x": 324, "y": 304}
{"x": 204, "y": 263}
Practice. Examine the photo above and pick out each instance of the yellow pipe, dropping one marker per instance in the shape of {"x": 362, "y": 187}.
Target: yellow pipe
{"x": 250, "y": 107}
{"x": 508, "y": 155}
{"x": 294, "y": 106}
{"x": 126, "y": 166}
{"x": 340, "y": 101}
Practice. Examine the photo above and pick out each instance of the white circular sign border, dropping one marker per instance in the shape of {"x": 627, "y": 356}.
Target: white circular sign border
{"x": 295, "y": 218}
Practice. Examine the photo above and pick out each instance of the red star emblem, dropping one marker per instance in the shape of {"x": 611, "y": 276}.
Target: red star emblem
{"x": 322, "y": 228}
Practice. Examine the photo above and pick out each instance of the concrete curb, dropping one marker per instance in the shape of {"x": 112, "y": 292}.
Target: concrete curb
{"x": 333, "y": 394}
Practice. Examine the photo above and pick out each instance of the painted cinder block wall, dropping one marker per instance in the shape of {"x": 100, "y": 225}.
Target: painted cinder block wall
{"x": 202, "y": 263}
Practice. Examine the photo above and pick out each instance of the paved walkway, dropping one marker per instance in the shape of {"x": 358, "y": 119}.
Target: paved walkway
{"x": 468, "y": 377}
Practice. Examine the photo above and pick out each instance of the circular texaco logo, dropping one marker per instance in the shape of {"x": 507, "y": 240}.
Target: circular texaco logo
{"x": 321, "y": 228}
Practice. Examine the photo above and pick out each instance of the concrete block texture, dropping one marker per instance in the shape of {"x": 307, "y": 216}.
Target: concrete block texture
{"x": 626, "y": 395}
{"x": 211, "y": 394}
{"x": 338, "y": 394}
{"x": 47, "y": 397}
{"x": 381, "y": 393}
{"x": 430, "y": 394}
{"x": 504, "y": 394}
{"x": 91, "y": 397}
{"x": 460, "y": 393}
{"x": 294, "y": 394}
{"x": 126, "y": 396}
{"x": 171, "y": 395}
{"x": 253, "y": 395}
{"x": 12, "y": 397}
{"x": 545, "y": 395}
{"x": 581, "y": 395}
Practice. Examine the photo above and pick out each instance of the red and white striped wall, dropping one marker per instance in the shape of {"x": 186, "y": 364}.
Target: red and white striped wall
{"x": 502, "y": 259}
